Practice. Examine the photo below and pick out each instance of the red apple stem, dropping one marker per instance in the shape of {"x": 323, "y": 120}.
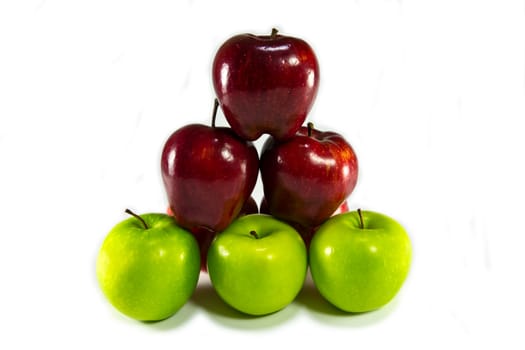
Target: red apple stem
{"x": 361, "y": 223}
{"x": 214, "y": 113}
{"x": 274, "y": 33}
{"x": 310, "y": 126}
{"x": 138, "y": 217}
{"x": 254, "y": 234}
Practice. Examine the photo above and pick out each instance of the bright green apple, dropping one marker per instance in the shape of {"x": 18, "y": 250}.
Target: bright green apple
{"x": 258, "y": 264}
{"x": 148, "y": 267}
{"x": 359, "y": 260}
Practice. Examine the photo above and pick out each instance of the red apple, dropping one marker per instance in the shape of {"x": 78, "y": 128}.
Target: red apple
{"x": 249, "y": 207}
{"x": 306, "y": 178}
{"x": 343, "y": 208}
{"x": 208, "y": 173}
{"x": 265, "y": 84}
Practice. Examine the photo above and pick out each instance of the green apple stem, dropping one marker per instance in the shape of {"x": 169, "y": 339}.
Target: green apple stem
{"x": 214, "y": 113}
{"x": 254, "y": 234}
{"x": 274, "y": 33}
{"x": 138, "y": 217}
{"x": 310, "y": 126}
{"x": 361, "y": 223}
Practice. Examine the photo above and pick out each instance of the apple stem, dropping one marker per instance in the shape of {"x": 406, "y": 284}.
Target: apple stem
{"x": 138, "y": 217}
{"x": 361, "y": 223}
{"x": 310, "y": 126}
{"x": 274, "y": 33}
{"x": 214, "y": 113}
{"x": 254, "y": 234}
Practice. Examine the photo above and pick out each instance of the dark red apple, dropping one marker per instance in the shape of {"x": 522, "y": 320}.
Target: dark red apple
{"x": 249, "y": 207}
{"x": 343, "y": 208}
{"x": 265, "y": 84}
{"x": 306, "y": 178}
{"x": 204, "y": 237}
{"x": 263, "y": 207}
{"x": 208, "y": 173}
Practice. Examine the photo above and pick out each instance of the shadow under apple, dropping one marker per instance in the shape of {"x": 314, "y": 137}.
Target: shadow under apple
{"x": 179, "y": 319}
{"x": 314, "y": 301}
{"x": 207, "y": 298}
{"x": 324, "y": 312}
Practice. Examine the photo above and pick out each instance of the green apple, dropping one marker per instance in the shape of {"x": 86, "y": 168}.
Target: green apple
{"x": 148, "y": 266}
{"x": 359, "y": 260}
{"x": 258, "y": 264}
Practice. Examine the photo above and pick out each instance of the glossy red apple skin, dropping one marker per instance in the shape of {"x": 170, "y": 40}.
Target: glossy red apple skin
{"x": 265, "y": 84}
{"x": 306, "y": 178}
{"x": 208, "y": 173}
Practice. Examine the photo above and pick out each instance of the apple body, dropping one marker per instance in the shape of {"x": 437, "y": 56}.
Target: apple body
{"x": 148, "y": 274}
{"x": 208, "y": 173}
{"x": 259, "y": 273}
{"x": 249, "y": 207}
{"x": 308, "y": 232}
{"x": 305, "y": 232}
{"x": 306, "y": 178}
{"x": 359, "y": 269}
{"x": 205, "y": 236}
{"x": 265, "y": 84}
{"x": 343, "y": 208}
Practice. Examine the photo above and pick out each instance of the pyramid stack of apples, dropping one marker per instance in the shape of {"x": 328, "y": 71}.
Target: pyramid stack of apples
{"x": 257, "y": 258}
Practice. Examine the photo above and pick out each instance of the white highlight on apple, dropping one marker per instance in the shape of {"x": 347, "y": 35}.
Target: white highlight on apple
{"x": 311, "y": 78}
{"x": 294, "y": 61}
{"x": 328, "y": 162}
{"x": 171, "y": 161}
{"x": 223, "y": 251}
{"x": 227, "y": 154}
{"x": 328, "y": 250}
{"x": 225, "y": 73}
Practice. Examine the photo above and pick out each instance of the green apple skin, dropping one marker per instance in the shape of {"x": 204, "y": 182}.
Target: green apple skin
{"x": 360, "y": 269}
{"x": 258, "y": 276}
{"x": 148, "y": 274}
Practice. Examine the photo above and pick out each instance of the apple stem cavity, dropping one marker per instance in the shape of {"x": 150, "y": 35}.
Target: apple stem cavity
{"x": 274, "y": 33}
{"x": 214, "y": 113}
{"x": 254, "y": 234}
{"x": 138, "y": 217}
{"x": 361, "y": 223}
{"x": 310, "y": 126}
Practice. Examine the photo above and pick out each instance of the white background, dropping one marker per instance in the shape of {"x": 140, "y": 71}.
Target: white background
{"x": 431, "y": 94}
